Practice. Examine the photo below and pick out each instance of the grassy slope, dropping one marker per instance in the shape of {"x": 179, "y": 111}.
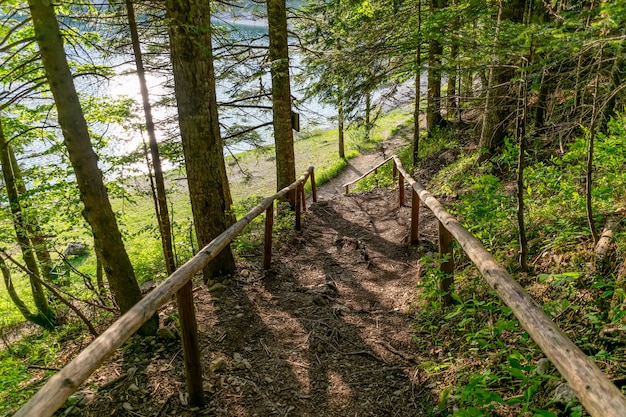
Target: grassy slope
{"x": 484, "y": 360}
{"x": 140, "y": 233}
{"x": 251, "y": 174}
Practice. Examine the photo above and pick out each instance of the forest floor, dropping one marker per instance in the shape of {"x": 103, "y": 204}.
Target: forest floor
{"x": 326, "y": 331}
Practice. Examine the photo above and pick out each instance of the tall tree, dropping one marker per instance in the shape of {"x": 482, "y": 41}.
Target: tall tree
{"x": 97, "y": 207}
{"x": 194, "y": 84}
{"x": 162, "y": 211}
{"x": 45, "y": 316}
{"x": 281, "y": 96}
{"x": 418, "y": 85}
{"x": 498, "y": 103}
{"x": 435, "y": 51}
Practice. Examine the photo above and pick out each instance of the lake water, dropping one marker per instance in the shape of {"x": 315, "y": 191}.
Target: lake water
{"x": 125, "y": 83}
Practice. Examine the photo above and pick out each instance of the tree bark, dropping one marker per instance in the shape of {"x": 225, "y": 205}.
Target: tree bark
{"x": 521, "y": 138}
{"x": 435, "y": 51}
{"x": 28, "y": 254}
{"x": 452, "y": 102}
{"x": 433, "y": 110}
{"x": 340, "y": 121}
{"x": 161, "y": 197}
{"x": 498, "y": 104}
{"x": 39, "y": 318}
{"x": 418, "y": 81}
{"x": 97, "y": 208}
{"x": 194, "y": 85}
{"x": 281, "y": 96}
{"x": 34, "y": 231}
{"x": 590, "y": 151}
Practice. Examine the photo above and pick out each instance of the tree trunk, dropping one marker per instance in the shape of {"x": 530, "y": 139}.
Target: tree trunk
{"x": 194, "y": 85}
{"x": 497, "y": 101}
{"x": 521, "y": 138}
{"x": 452, "y": 103}
{"x": 281, "y": 96}
{"x": 433, "y": 105}
{"x": 93, "y": 194}
{"x": 418, "y": 82}
{"x": 39, "y": 319}
{"x": 21, "y": 232}
{"x": 32, "y": 225}
{"x": 433, "y": 110}
{"x": 161, "y": 198}
{"x": 590, "y": 150}
{"x": 342, "y": 150}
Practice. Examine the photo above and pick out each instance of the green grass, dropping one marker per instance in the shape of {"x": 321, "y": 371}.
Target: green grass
{"x": 494, "y": 359}
{"x": 251, "y": 174}
{"x": 252, "y": 177}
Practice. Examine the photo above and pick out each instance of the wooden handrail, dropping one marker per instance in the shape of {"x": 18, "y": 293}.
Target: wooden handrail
{"x": 599, "y": 396}
{"x": 65, "y": 382}
{"x": 348, "y": 184}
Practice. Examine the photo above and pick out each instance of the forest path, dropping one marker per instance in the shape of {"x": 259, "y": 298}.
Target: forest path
{"x": 326, "y": 331}
{"x": 358, "y": 166}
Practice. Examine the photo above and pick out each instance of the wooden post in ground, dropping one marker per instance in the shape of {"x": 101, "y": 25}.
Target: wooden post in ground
{"x": 401, "y": 188}
{"x": 269, "y": 227}
{"x": 395, "y": 169}
{"x": 313, "y": 186}
{"x": 415, "y": 217}
{"x": 346, "y": 189}
{"x": 447, "y": 267}
{"x": 302, "y": 198}
{"x": 298, "y": 210}
{"x": 191, "y": 349}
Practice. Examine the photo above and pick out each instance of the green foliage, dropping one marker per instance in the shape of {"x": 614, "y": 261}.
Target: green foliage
{"x": 495, "y": 361}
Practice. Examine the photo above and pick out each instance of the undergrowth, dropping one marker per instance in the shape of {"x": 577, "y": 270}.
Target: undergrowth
{"x": 479, "y": 360}
{"x": 483, "y": 362}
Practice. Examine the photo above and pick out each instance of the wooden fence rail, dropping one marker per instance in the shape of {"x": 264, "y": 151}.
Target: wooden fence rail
{"x": 374, "y": 170}
{"x": 599, "y": 396}
{"x": 65, "y": 382}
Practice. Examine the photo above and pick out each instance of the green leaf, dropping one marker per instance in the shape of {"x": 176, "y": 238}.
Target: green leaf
{"x": 543, "y": 413}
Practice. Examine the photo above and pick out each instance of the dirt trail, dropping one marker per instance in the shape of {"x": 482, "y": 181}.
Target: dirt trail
{"x": 324, "y": 332}
{"x": 358, "y": 166}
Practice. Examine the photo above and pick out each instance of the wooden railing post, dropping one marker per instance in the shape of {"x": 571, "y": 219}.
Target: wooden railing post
{"x": 313, "y": 186}
{"x": 447, "y": 266}
{"x": 191, "y": 349}
{"x": 346, "y": 189}
{"x": 302, "y": 198}
{"x": 415, "y": 217}
{"x": 269, "y": 227}
{"x": 401, "y": 188}
{"x": 298, "y": 210}
{"x": 395, "y": 169}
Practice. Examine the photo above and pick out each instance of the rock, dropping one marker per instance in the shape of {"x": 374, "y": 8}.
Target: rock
{"x": 131, "y": 371}
{"x": 543, "y": 366}
{"x": 218, "y": 286}
{"x": 127, "y": 407}
{"x": 75, "y": 248}
{"x": 218, "y": 364}
{"x": 240, "y": 361}
{"x": 564, "y": 394}
{"x": 133, "y": 387}
{"x": 167, "y": 333}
